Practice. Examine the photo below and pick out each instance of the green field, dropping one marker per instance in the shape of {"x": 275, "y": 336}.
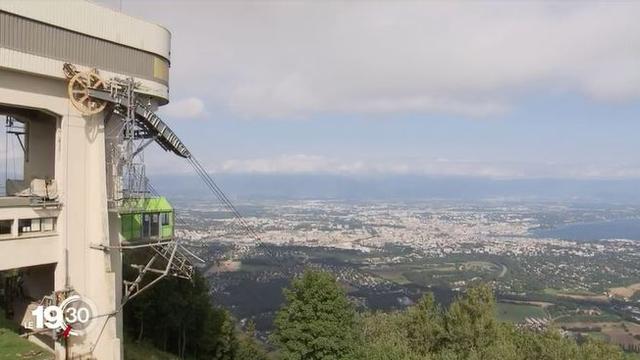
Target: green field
{"x": 256, "y": 267}
{"x": 408, "y": 273}
{"x": 569, "y": 292}
{"x": 480, "y": 266}
{"x": 446, "y": 274}
{"x": 517, "y": 312}
{"x": 393, "y": 276}
{"x": 597, "y": 336}
{"x": 571, "y": 318}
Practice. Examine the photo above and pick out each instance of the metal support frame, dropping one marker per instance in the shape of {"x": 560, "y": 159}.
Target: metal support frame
{"x": 18, "y": 131}
{"x": 176, "y": 264}
{"x": 90, "y": 94}
{"x": 132, "y": 135}
{"x": 134, "y": 139}
{"x": 144, "y": 145}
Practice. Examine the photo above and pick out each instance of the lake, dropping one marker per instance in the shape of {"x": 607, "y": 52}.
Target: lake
{"x": 612, "y": 229}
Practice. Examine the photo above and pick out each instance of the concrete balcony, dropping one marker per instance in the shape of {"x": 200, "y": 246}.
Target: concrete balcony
{"x": 28, "y": 233}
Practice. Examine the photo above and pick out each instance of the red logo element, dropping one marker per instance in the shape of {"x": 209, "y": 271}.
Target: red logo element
{"x": 66, "y": 332}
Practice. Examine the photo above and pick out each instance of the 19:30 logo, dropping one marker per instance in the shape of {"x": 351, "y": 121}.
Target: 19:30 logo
{"x": 73, "y": 316}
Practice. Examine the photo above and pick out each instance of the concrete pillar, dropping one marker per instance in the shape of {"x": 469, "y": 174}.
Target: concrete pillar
{"x": 84, "y": 222}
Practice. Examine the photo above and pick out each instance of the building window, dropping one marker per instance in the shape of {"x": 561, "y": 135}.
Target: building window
{"x": 48, "y": 224}
{"x": 28, "y": 225}
{"x": 36, "y": 225}
{"x": 5, "y": 227}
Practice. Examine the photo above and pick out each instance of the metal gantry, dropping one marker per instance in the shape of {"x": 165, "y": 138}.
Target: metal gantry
{"x": 131, "y": 127}
{"x": 136, "y": 126}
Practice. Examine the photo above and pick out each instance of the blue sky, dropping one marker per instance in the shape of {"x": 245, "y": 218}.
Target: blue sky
{"x": 500, "y": 90}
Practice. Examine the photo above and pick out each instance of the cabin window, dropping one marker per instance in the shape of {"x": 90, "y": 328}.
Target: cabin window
{"x": 150, "y": 225}
{"x": 146, "y": 225}
{"x": 155, "y": 225}
{"x": 164, "y": 218}
{"x": 5, "y": 227}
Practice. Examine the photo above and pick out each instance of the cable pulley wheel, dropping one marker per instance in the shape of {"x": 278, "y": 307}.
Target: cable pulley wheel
{"x": 78, "y": 89}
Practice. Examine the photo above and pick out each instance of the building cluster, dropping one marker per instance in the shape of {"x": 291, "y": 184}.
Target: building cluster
{"x": 429, "y": 230}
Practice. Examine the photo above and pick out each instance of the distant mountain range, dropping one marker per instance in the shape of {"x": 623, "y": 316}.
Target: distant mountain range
{"x": 255, "y": 187}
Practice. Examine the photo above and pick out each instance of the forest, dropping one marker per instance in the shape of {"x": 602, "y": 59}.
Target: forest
{"x": 318, "y": 322}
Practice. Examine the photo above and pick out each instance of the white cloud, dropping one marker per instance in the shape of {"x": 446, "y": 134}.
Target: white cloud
{"x": 298, "y": 59}
{"x": 299, "y": 163}
{"x": 314, "y": 164}
{"x": 188, "y": 108}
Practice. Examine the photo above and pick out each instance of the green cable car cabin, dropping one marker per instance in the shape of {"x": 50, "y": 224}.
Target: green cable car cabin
{"x": 144, "y": 219}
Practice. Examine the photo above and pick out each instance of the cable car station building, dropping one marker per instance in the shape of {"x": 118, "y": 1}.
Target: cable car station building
{"x": 55, "y": 215}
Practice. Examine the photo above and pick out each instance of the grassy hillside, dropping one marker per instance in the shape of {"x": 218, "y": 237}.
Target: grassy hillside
{"x": 13, "y": 346}
{"x": 141, "y": 351}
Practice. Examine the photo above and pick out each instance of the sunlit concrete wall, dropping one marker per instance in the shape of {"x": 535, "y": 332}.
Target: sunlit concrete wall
{"x": 83, "y": 217}
{"x": 71, "y": 148}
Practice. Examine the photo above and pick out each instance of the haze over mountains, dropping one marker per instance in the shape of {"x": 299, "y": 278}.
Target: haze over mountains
{"x": 398, "y": 187}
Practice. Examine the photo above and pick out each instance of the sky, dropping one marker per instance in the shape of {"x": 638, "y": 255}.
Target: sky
{"x": 481, "y": 89}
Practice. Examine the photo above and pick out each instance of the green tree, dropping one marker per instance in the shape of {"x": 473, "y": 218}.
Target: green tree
{"x": 598, "y": 350}
{"x": 248, "y": 347}
{"x": 177, "y": 316}
{"x": 317, "y": 321}
{"x": 470, "y": 324}
{"x": 384, "y": 337}
{"x": 227, "y": 342}
{"x": 424, "y": 324}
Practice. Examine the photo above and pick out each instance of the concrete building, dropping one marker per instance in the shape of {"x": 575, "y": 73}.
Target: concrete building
{"x": 53, "y": 216}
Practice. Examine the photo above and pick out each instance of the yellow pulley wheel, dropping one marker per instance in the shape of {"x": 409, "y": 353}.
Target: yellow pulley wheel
{"x": 78, "y": 89}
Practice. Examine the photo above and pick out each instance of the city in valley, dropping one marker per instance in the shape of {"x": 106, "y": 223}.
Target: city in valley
{"x": 563, "y": 264}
